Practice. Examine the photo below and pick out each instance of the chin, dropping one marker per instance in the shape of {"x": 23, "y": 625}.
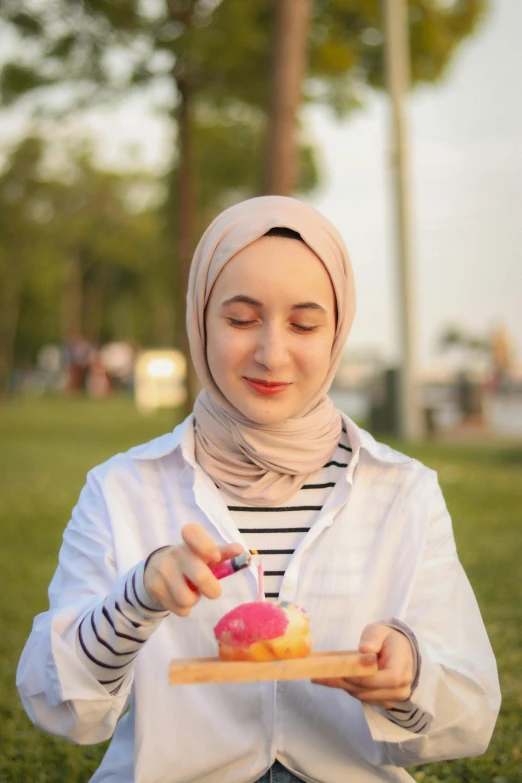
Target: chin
{"x": 263, "y": 410}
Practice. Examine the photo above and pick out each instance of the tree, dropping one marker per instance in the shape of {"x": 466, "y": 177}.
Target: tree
{"x": 21, "y": 202}
{"x": 471, "y": 345}
{"x": 288, "y": 71}
{"x": 72, "y": 235}
{"x": 210, "y": 53}
{"x": 85, "y": 251}
{"x": 206, "y": 55}
{"x": 470, "y": 348}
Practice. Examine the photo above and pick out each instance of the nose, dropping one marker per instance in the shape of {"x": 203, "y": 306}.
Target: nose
{"x": 271, "y": 350}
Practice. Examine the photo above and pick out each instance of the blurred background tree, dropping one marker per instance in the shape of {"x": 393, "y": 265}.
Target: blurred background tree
{"x": 22, "y": 195}
{"x": 205, "y": 64}
{"x": 469, "y": 349}
{"x": 77, "y": 256}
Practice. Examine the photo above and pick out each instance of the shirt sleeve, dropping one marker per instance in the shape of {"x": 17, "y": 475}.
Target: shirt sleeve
{"x": 110, "y": 636}
{"x": 453, "y": 708}
{"x": 60, "y": 693}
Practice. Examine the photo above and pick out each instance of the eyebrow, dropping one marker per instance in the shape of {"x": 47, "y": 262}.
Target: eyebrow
{"x": 244, "y": 299}
{"x": 256, "y": 303}
{"x": 308, "y": 306}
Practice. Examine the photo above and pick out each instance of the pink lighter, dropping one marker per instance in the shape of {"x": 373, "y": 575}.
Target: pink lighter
{"x": 226, "y": 567}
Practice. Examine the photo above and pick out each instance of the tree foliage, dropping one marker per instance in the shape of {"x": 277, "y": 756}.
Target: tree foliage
{"x": 59, "y": 56}
{"x": 53, "y": 216}
{"x": 74, "y": 251}
{"x": 223, "y": 48}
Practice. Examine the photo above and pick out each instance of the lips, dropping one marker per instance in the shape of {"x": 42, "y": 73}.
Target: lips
{"x": 266, "y": 388}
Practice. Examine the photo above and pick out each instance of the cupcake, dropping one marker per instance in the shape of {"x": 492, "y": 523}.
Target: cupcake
{"x": 264, "y": 631}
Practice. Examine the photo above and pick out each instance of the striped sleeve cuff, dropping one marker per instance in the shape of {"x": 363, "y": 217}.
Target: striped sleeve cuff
{"x": 408, "y": 716}
{"x": 110, "y": 636}
{"x": 405, "y": 714}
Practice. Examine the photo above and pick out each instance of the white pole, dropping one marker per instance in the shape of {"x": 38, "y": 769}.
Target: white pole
{"x": 398, "y": 77}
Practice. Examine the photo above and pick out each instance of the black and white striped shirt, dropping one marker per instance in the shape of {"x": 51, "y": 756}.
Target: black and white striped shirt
{"x": 276, "y": 532}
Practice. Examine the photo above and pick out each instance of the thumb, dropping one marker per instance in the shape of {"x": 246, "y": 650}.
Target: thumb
{"x": 372, "y": 638}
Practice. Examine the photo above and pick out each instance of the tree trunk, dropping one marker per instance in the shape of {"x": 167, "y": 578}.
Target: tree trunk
{"x": 289, "y": 67}
{"x": 186, "y": 226}
{"x": 93, "y": 300}
{"x": 72, "y": 295}
{"x": 9, "y": 311}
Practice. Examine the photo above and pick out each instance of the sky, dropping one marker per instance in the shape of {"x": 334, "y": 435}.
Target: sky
{"x": 465, "y": 139}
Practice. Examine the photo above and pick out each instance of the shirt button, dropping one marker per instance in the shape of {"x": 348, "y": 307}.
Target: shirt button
{"x": 288, "y": 586}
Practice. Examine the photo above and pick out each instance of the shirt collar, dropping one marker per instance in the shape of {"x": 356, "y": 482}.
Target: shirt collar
{"x": 183, "y": 437}
{"x": 361, "y": 439}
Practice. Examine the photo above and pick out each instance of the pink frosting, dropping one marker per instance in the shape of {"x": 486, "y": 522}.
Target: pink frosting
{"x": 251, "y": 622}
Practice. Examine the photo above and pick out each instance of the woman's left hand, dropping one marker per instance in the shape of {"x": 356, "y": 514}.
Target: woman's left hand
{"x": 393, "y": 681}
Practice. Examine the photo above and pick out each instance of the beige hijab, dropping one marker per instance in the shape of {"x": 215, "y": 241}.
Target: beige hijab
{"x": 264, "y": 465}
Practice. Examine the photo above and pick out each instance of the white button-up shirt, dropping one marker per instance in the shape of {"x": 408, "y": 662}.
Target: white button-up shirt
{"x": 382, "y": 547}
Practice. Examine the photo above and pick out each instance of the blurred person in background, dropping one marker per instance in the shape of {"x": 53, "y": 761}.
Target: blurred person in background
{"x": 79, "y": 354}
{"x": 353, "y": 531}
{"x": 98, "y": 382}
{"x": 502, "y": 356}
{"x": 119, "y": 359}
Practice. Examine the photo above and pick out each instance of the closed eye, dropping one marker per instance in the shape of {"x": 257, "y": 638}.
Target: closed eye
{"x": 305, "y": 328}
{"x": 297, "y": 327}
{"x": 235, "y": 322}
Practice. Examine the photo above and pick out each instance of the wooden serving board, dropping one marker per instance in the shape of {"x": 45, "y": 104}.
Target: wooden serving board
{"x": 189, "y": 671}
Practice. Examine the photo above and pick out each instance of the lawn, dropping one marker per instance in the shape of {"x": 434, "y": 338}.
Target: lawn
{"x": 48, "y": 445}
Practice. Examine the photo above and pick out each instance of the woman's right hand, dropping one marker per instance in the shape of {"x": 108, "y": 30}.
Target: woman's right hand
{"x": 168, "y": 569}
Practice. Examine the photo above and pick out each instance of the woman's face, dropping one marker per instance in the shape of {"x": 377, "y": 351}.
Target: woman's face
{"x": 270, "y": 326}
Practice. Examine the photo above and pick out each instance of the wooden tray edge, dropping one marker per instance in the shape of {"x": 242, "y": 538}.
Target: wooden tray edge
{"x": 343, "y": 663}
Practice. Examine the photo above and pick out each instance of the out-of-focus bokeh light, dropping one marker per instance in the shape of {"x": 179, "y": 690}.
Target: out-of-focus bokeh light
{"x": 159, "y": 380}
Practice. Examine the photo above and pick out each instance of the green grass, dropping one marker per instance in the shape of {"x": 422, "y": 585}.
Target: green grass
{"x": 46, "y": 448}
{"x": 48, "y": 445}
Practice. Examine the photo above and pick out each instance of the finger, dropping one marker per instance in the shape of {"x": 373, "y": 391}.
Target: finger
{"x": 230, "y": 550}
{"x": 338, "y": 682}
{"x": 331, "y": 682}
{"x": 181, "y": 610}
{"x": 201, "y": 543}
{"x": 227, "y": 552}
{"x": 176, "y": 584}
{"x": 383, "y": 697}
{"x": 373, "y": 638}
{"x": 386, "y": 678}
{"x": 380, "y": 697}
{"x": 201, "y": 577}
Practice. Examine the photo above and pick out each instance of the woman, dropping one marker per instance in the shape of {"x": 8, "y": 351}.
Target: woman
{"x": 351, "y": 530}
